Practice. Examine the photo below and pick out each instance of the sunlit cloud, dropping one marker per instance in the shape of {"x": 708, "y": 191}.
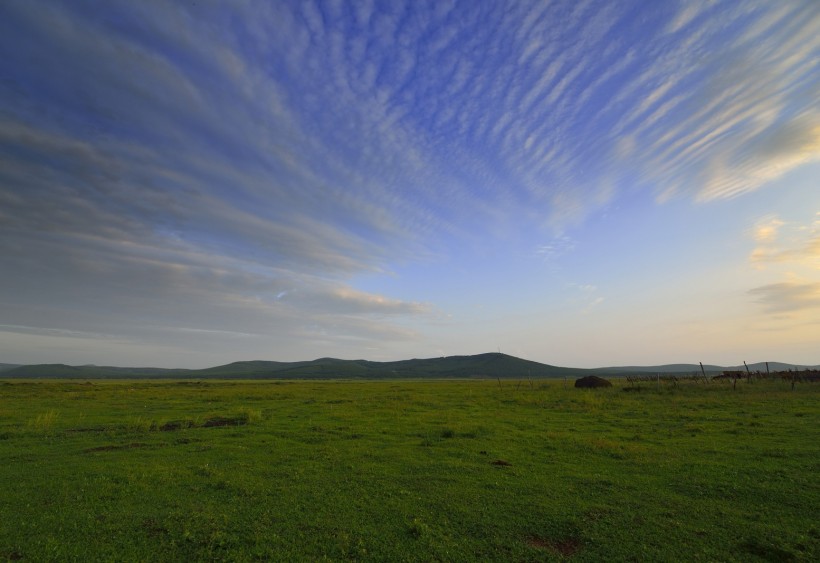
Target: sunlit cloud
{"x": 766, "y": 229}
{"x": 785, "y": 243}
{"x": 788, "y": 296}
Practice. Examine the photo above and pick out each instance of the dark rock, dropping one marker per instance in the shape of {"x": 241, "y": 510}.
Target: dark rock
{"x": 592, "y": 381}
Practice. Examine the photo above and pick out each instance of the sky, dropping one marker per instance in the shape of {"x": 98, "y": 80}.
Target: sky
{"x": 578, "y": 183}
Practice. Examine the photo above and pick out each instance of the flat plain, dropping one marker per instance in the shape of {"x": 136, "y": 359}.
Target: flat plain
{"x": 408, "y": 471}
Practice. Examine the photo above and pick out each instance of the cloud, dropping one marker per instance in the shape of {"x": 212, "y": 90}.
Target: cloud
{"x": 765, "y": 157}
{"x": 165, "y": 205}
{"x": 345, "y": 300}
{"x": 748, "y": 119}
{"x": 688, "y": 12}
{"x": 587, "y": 287}
{"x": 181, "y": 296}
{"x": 591, "y": 305}
{"x": 787, "y": 297}
{"x": 61, "y": 333}
{"x": 786, "y": 243}
{"x": 191, "y": 175}
{"x": 766, "y": 229}
{"x": 556, "y": 248}
{"x": 371, "y": 109}
{"x": 584, "y": 296}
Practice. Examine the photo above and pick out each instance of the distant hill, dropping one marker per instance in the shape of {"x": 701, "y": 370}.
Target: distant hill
{"x": 4, "y": 367}
{"x": 666, "y": 368}
{"x": 695, "y": 368}
{"x": 773, "y": 366}
{"x": 492, "y": 365}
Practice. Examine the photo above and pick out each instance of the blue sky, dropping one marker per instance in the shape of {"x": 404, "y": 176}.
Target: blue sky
{"x": 579, "y": 183}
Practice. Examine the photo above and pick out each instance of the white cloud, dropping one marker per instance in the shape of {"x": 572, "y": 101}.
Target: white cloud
{"x": 592, "y": 305}
{"x": 689, "y": 11}
{"x": 556, "y": 248}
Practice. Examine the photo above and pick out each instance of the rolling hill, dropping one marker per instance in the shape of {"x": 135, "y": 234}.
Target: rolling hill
{"x": 494, "y": 365}
{"x": 695, "y": 368}
{"x": 491, "y": 365}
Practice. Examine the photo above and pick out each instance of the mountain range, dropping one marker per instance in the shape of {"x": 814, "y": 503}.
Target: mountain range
{"x": 490, "y": 365}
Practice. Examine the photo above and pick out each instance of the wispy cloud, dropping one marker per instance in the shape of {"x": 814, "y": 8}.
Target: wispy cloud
{"x": 765, "y": 230}
{"x": 235, "y": 168}
{"x": 586, "y": 296}
{"x": 592, "y": 305}
{"x": 787, "y": 297}
{"x": 556, "y": 248}
{"x": 786, "y": 243}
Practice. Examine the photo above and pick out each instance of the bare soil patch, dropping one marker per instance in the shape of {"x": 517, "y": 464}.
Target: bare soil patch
{"x": 225, "y": 421}
{"x": 176, "y": 425}
{"x": 113, "y": 447}
{"x": 566, "y": 547}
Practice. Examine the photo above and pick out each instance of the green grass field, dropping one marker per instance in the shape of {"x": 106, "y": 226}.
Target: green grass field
{"x": 408, "y": 471}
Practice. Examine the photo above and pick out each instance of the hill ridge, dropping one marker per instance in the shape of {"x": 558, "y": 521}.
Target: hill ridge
{"x": 485, "y": 365}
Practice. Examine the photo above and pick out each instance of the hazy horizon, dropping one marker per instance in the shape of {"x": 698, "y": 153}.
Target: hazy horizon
{"x": 577, "y": 183}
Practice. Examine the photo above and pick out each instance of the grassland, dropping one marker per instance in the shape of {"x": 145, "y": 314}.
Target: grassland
{"x": 407, "y": 471}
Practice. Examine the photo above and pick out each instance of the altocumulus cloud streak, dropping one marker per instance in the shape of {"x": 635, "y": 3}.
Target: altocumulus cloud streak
{"x": 177, "y": 170}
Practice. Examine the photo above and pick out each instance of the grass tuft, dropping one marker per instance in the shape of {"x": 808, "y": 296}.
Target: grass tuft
{"x": 44, "y": 421}
{"x": 140, "y": 424}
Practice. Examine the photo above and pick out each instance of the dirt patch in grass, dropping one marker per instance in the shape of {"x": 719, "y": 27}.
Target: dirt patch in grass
{"x": 767, "y": 551}
{"x": 11, "y": 555}
{"x": 182, "y": 441}
{"x": 153, "y": 528}
{"x": 92, "y": 429}
{"x": 112, "y": 447}
{"x": 501, "y": 463}
{"x": 172, "y": 425}
{"x": 225, "y": 421}
{"x": 212, "y": 422}
{"x": 566, "y": 547}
